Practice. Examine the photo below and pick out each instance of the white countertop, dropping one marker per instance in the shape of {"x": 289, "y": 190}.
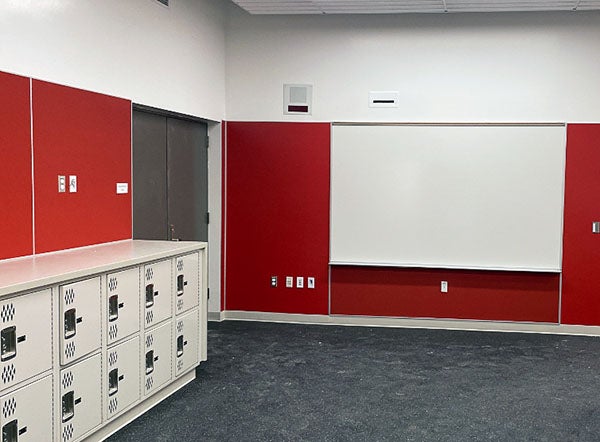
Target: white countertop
{"x": 32, "y": 272}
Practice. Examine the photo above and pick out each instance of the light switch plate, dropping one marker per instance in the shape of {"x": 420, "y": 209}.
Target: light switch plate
{"x": 122, "y": 188}
{"x": 300, "y": 282}
{"x": 62, "y": 184}
{"x": 310, "y": 282}
{"x": 289, "y": 281}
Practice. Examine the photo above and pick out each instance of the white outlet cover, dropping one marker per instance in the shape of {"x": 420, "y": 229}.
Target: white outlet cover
{"x": 62, "y": 184}
{"x": 289, "y": 281}
{"x": 310, "y": 282}
{"x": 444, "y": 287}
{"x": 300, "y": 282}
{"x": 122, "y": 188}
{"x": 72, "y": 183}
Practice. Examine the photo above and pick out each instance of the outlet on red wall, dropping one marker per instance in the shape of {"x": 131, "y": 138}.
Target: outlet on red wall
{"x": 277, "y": 216}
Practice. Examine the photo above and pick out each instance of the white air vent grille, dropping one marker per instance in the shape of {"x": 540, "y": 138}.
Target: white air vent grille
{"x": 297, "y": 99}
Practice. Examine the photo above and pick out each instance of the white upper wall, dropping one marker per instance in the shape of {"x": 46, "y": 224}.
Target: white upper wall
{"x": 171, "y": 58}
{"x": 447, "y": 68}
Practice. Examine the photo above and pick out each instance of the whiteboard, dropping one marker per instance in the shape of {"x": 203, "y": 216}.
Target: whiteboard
{"x": 448, "y": 196}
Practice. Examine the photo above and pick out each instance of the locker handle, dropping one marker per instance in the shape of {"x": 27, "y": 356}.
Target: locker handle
{"x": 10, "y": 431}
{"x": 68, "y": 406}
{"x": 8, "y": 343}
{"x": 149, "y": 362}
{"x": 180, "y": 345}
{"x": 113, "y": 381}
{"x": 180, "y": 285}
{"x": 70, "y": 323}
{"x": 113, "y": 308}
{"x": 150, "y": 295}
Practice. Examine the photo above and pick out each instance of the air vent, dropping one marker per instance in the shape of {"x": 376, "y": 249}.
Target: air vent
{"x": 164, "y": 2}
{"x": 297, "y": 99}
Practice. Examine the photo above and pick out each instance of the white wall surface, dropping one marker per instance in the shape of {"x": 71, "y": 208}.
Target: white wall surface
{"x": 171, "y": 58}
{"x": 499, "y": 67}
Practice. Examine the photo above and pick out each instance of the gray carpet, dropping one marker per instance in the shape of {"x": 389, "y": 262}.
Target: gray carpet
{"x": 306, "y": 382}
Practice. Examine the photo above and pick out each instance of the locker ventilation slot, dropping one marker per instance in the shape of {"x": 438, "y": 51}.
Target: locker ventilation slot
{"x": 70, "y": 350}
{"x": 113, "y": 405}
{"x": 180, "y": 265}
{"x": 113, "y": 332}
{"x": 149, "y": 382}
{"x": 8, "y": 373}
{"x": 7, "y": 313}
{"x": 67, "y": 380}
{"x": 149, "y": 317}
{"x": 149, "y": 273}
{"x": 113, "y": 357}
{"x": 149, "y": 341}
{"x": 69, "y": 296}
{"x": 179, "y": 365}
{"x": 67, "y": 433}
{"x": 9, "y": 407}
{"x": 179, "y": 304}
{"x": 112, "y": 284}
{"x": 180, "y": 327}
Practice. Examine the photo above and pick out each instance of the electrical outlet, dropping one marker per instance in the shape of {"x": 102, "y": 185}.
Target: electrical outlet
{"x": 444, "y": 287}
{"x": 300, "y": 282}
{"x": 310, "y": 282}
{"x": 289, "y": 281}
{"x": 273, "y": 281}
{"x": 62, "y": 184}
{"x": 72, "y": 183}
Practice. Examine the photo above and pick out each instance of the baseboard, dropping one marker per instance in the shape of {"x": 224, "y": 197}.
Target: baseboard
{"x": 446, "y": 324}
{"x": 215, "y": 316}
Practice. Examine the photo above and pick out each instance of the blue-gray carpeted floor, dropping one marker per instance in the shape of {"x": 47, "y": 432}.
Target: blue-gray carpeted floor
{"x": 306, "y": 382}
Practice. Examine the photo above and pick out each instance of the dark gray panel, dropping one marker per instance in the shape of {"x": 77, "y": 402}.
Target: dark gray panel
{"x": 149, "y": 176}
{"x": 187, "y": 179}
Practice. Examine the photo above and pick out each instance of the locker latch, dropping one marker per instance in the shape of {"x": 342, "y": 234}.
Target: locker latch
{"x": 150, "y": 362}
{"x": 113, "y": 308}
{"x": 9, "y": 343}
{"x": 180, "y": 344}
{"x": 150, "y": 294}
{"x": 71, "y": 321}
{"x": 68, "y": 406}
{"x": 113, "y": 381}
{"x": 180, "y": 285}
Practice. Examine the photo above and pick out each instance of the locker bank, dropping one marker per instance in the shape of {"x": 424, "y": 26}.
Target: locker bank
{"x": 166, "y": 163}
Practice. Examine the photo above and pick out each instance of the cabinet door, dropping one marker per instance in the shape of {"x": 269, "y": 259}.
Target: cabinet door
{"x": 79, "y": 319}
{"x": 27, "y": 413}
{"x": 81, "y": 398}
{"x": 186, "y": 342}
{"x": 186, "y": 282}
{"x": 156, "y": 296}
{"x": 156, "y": 361}
{"x": 122, "y": 304}
{"x": 122, "y": 380}
{"x": 26, "y": 336}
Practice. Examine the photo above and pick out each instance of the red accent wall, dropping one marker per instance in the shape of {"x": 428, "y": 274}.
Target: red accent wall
{"x": 472, "y": 294}
{"x": 81, "y": 133}
{"x": 277, "y": 209}
{"x": 16, "y": 228}
{"x": 581, "y": 248}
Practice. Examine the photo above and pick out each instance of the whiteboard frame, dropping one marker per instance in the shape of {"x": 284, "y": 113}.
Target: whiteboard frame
{"x": 446, "y": 266}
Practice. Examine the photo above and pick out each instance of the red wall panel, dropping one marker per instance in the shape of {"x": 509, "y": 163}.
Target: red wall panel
{"x": 277, "y": 215}
{"x": 80, "y": 133}
{"x": 486, "y": 295}
{"x": 581, "y": 248}
{"x": 16, "y": 228}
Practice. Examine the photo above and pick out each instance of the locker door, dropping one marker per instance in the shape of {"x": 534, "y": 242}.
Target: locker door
{"x": 80, "y": 398}
{"x": 80, "y": 319}
{"x": 122, "y": 304}
{"x": 156, "y": 360}
{"x": 26, "y": 334}
{"x": 186, "y": 342}
{"x": 27, "y": 413}
{"x": 156, "y": 296}
{"x": 186, "y": 282}
{"x": 122, "y": 376}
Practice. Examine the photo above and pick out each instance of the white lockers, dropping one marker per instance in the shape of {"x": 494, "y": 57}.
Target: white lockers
{"x": 108, "y": 356}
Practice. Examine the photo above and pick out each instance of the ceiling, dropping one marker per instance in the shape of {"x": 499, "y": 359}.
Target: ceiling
{"x": 410, "y": 6}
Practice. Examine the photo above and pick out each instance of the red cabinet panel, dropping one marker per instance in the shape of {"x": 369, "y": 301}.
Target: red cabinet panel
{"x": 472, "y": 294}
{"x": 16, "y": 230}
{"x": 86, "y": 134}
{"x": 581, "y": 247}
{"x": 277, "y": 215}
